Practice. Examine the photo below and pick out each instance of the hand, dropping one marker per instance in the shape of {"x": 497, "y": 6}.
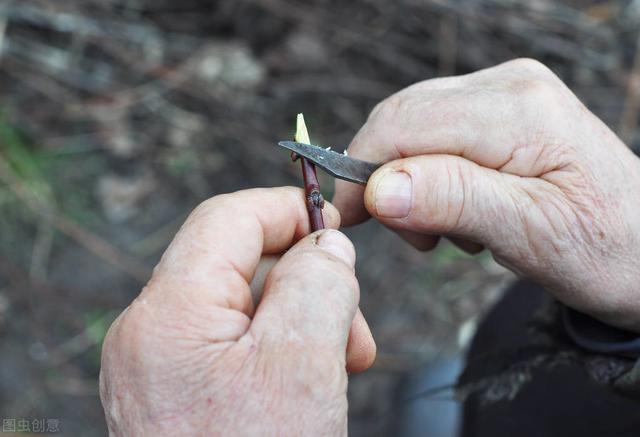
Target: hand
{"x": 190, "y": 356}
{"x": 508, "y": 158}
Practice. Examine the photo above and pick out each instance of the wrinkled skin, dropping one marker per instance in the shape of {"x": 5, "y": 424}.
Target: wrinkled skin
{"x": 509, "y": 159}
{"x": 191, "y": 355}
{"x": 506, "y": 158}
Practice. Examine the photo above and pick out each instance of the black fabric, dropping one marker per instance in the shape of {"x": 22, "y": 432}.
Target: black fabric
{"x": 526, "y": 377}
{"x": 593, "y": 335}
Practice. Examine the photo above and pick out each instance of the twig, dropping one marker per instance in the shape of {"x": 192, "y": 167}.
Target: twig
{"x": 41, "y": 250}
{"x": 315, "y": 201}
{"x": 3, "y": 29}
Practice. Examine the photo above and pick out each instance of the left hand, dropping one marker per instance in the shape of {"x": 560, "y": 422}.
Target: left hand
{"x": 192, "y": 356}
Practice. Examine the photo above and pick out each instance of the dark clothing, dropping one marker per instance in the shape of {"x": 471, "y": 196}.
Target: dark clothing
{"x": 595, "y": 336}
{"x": 528, "y": 373}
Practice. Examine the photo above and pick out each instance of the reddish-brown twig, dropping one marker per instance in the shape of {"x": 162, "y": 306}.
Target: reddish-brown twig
{"x": 315, "y": 201}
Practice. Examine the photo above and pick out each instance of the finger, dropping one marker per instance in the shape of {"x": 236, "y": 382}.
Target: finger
{"x": 214, "y": 256}
{"x": 348, "y": 199}
{"x": 422, "y": 242}
{"x": 361, "y": 348}
{"x": 470, "y": 247}
{"x": 448, "y": 195}
{"x": 487, "y": 117}
{"x": 310, "y": 296}
{"x": 262, "y": 271}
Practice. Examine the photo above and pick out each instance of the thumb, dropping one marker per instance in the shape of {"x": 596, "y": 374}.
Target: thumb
{"x": 310, "y": 296}
{"x": 444, "y": 195}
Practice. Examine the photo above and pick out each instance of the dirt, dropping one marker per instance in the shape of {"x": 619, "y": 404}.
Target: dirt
{"x": 119, "y": 117}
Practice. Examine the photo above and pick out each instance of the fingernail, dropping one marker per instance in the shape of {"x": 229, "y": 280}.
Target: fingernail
{"x": 393, "y": 195}
{"x": 337, "y": 244}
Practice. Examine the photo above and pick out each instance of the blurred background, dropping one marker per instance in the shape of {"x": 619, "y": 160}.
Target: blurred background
{"x": 117, "y": 117}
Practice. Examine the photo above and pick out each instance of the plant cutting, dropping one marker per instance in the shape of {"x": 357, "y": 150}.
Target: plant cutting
{"x": 315, "y": 201}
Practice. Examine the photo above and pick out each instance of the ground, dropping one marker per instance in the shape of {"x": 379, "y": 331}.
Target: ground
{"x": 119, "y": 117}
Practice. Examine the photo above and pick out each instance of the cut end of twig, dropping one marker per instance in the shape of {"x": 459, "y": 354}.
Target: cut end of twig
{"x": 302, "y": 135}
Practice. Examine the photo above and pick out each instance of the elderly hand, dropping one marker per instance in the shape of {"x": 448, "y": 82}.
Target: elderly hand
{"x": 191, "y": 356}
{"x": 508, "y": 158}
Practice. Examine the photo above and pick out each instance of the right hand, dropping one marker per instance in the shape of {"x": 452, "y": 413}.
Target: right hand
{"x": 509, "y": 159}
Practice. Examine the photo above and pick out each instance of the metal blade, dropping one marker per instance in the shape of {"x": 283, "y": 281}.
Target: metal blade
{"x": 336, "y": 164}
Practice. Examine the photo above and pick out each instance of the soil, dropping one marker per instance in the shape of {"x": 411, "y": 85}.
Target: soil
{"x": 119, "y": 117}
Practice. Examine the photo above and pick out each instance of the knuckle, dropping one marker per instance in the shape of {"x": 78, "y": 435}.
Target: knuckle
{"x": 209, "y": 205}
{"x": 529, "y": 66}
{"x": 128, "y": 335}
{"x": 229, "y": 200}
{"x": 533, "y": 83}
{"x": 534, "y": 91}
{"x": 391, "y": 108}
{"x": 458, "y": 194}
{"x": 243, "y": 199}
{"x": 446, "y": 211}
{"x": 375, "y": 112}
